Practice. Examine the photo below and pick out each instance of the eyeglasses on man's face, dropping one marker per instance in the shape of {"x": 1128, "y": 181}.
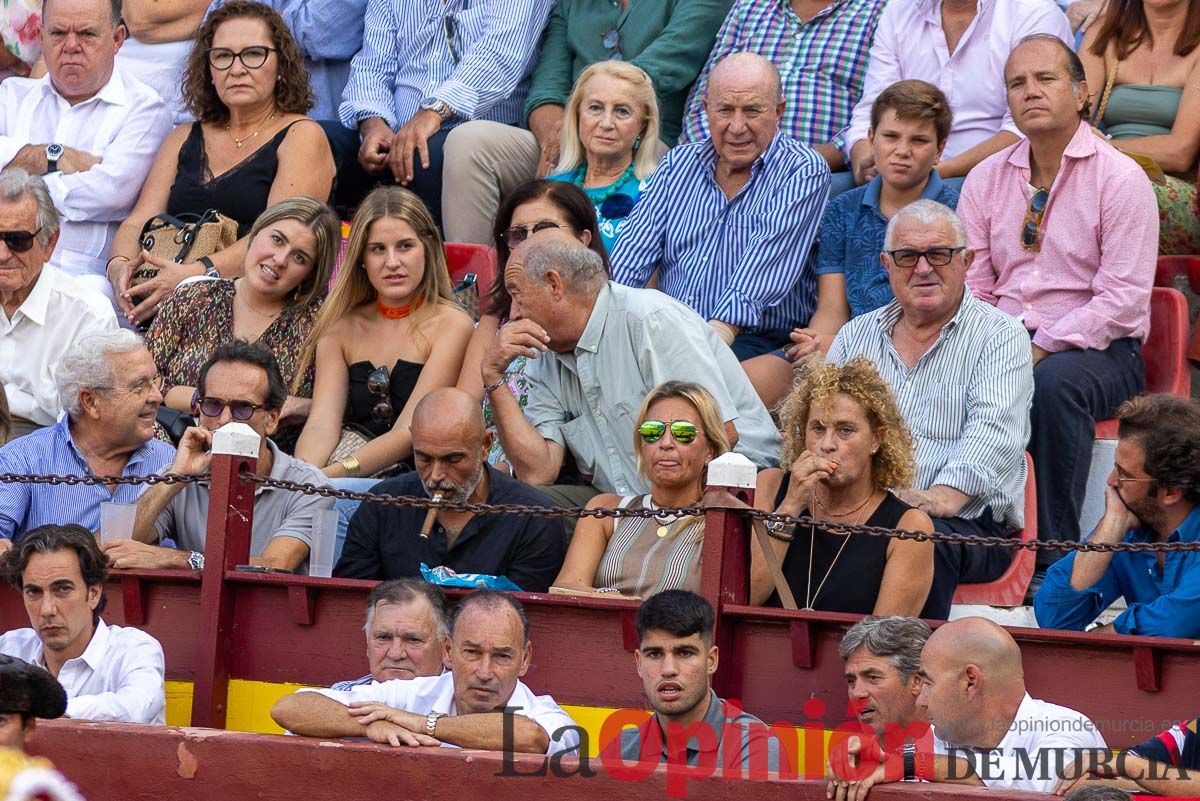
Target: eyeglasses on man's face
{"x": 907, "y": 258}
{"x": 141, "y": 388}
{"x": 240, "y": 410}
{"x": 19, "y": 241}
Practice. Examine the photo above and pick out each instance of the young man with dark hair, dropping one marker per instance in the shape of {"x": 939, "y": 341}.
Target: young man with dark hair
{"x": 676, "y": 659}
{"x": 27, "y": 692}
{"x": 109, "y": 672}
{"x": 1152, "y": 496}
{"x": 241, "y": 383}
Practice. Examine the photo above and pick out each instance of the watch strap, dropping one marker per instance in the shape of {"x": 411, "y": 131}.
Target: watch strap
{"x": 210, "y": 269}
{"x": 910, "y": 761}
{"x": 431, "y": 723}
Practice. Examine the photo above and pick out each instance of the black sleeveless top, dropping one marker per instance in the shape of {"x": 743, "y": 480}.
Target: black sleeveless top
{"x": 241, "y": 192}
{"x": 853, "y": 585}
{"x": 403, "y": 376}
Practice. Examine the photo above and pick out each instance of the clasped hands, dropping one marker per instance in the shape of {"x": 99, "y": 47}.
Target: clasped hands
{"x": 391, "y": 726}
{"x": 151, "y": 292}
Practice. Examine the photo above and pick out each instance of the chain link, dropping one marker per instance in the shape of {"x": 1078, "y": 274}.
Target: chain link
{"x": 557, "y": 513}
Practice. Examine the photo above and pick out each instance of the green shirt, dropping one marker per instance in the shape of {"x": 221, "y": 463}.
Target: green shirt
{"x": 669, "y": 39}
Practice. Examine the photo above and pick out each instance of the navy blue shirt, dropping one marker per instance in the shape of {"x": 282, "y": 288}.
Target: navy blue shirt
{"x": 1178, "y": 746}
{"x": 1162, "y": 603}
{"x": 384, "y": 542}
{"x": 851, "y": 240}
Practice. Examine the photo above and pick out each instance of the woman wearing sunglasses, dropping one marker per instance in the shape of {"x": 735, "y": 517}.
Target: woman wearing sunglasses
{"x": 275, "y": 303}
{"x": 532, "y": 207}
{"x": 679, "y": 432}
{"x": 847, "y": 448}
{"x": 250, "y": 147}
{"x": 389, "y": 332}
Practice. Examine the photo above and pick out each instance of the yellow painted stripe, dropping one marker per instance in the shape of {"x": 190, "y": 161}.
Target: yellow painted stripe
{"x": 250, "y": 705}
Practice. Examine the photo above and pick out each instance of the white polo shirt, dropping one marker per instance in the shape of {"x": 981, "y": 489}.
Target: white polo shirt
{"x": 426, "y": 694}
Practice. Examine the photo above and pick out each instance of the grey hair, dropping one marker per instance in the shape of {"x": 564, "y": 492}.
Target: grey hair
{"x": 926, "y": 212}
{"x": 581, "y": 268}
{"x": 407, "y": 590}
{"x": 16, "y": 185}
{"x": 895, "y": 638}
{"x": 87, "y": 366}
{"x": 1087, "y": 793}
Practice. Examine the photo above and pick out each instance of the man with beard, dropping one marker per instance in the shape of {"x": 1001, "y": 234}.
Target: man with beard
{"x": 1152, "y": 496}
{"x": 450, "y": 447}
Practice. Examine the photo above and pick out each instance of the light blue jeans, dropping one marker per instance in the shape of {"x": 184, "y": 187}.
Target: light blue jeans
{"x": 346, "y": 509}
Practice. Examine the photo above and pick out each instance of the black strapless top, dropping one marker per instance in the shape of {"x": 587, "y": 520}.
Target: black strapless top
{"x": 404, "y": 376}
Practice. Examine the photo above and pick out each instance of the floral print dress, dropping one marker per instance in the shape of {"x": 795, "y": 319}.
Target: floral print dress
{"x": 21, "y": 30}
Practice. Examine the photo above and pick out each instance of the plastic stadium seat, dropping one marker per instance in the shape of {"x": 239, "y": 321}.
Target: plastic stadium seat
{"x": 1009, "y": 589}
{"x": 463, "y": 258}
{"x": 1165, "y": 351}
{"x": 1169, "y": 267}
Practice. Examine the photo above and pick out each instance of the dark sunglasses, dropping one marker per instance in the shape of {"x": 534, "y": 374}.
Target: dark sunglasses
{"x": 451, "y": 29}
{"x": 1031, "y": 229}
{"x": 907, "y": 258}
{"x": 519, "y": 233}
{"x": 682, "y": 430}
{"x": 611, "y": 39}
{"x": 19, "y": 241}
{"x": 238, "y": 409}
{"x": 221, "y": 58}
{"x": 379, "y": 384}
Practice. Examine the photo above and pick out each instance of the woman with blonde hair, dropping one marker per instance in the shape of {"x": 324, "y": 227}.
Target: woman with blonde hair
{"x": 679, "y": 431}
{"x": 389, "y": 333}
{"x": 610, "y": 140}
{"x": 848, "y": 448}
{"x": 289, "y": 261}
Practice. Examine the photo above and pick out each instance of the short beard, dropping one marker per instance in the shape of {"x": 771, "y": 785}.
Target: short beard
{"x": 459, "y": 494}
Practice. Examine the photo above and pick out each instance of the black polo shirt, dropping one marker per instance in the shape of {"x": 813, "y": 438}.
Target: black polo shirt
{"x": 384, "y": 542}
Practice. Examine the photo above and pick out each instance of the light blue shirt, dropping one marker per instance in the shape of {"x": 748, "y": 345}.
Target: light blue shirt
{"x": 742, "y": 261}
{"x": 407, "y": 58}
{"x": 52, "y": 451}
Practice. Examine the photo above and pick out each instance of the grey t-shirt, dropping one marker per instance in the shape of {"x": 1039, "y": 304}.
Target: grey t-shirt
{"x": 276, "y": 512}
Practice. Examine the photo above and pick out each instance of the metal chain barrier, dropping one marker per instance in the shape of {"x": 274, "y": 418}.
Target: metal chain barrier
{"x": 551, "y": 512}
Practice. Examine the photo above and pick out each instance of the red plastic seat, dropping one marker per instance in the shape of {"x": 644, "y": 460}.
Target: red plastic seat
{"x": 1009, "y": 589}
{"x": 1169, "y": 267}
{"x": 1165, "y": 351}
{"x": 464, "y": 257}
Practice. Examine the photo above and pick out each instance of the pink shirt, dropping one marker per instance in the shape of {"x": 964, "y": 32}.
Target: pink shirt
{"x": 1090, "y": 283}
{"x": 910, "y": 43}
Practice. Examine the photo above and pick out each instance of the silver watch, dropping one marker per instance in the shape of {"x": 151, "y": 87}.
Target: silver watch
{"x": 195, "y": 560}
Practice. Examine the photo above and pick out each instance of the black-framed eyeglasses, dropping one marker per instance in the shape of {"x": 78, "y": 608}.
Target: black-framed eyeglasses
{"x": 611, "y": 39}
{"x": 517, "y": 234}
{"x": 141, "y": 388}
{"x": 253, "y": 57}
{"x": 1031, "y": 228}
{"x": 238, "y": 409}
{"x": 379, "y": 384}
{"x": 683, "y": 431}
{"x": 907, "y": 258}
{"x": 18, "y": 241}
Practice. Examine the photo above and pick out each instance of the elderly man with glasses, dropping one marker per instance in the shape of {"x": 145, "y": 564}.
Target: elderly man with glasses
{"x": 240, "y": 382}
{"x": 1065, "y": 230}
{"x": 963, "y": 378}
{"x": 109, "y": 386}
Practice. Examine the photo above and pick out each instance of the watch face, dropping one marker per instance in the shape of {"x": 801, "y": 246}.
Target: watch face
{"x": 54, "y": 151}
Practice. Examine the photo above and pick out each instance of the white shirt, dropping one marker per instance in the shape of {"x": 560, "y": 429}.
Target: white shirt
{"x": 119, "y": 676}
{"x": 56, "y": 315}
{"x": 160, "y": 66}
{"x": 124, "y": 124}
{"x": 426, "y": 694}
{"x": 1041, "y": 740}
{"x": 910, "y": 43}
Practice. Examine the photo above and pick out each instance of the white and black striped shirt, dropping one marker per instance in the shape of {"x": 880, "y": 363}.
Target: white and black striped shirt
{"x": 966, "y": 401}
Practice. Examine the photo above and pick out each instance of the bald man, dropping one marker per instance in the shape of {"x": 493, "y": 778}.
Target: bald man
{"x": 986, "y": 728}
{"x": 450, "y": 448}
{"x": 728, "y": 222}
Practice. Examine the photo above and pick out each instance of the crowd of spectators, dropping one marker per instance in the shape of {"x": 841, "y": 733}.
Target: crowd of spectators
{"x": 880, "y": 248}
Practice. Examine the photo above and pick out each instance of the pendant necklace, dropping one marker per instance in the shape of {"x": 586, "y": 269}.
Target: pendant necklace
{"x": 809, "y": 596}
{"x": 239, "y": 142}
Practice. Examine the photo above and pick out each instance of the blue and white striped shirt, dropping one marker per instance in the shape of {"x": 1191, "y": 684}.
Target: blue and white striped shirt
{"x": 966, "y": 401}
{"x": 52, "y": 451}
{"x": 743, "y": 261}
{"x": 406, "y": 59}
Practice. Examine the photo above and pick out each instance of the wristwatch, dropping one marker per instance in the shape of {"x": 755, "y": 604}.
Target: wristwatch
{"x": 910, "y": 762}
{"x": 210, "y": 270}
{"x": 53, "y": 154}
{"x": 431, "y": 722}
{"x": 195, "y": 560}
{"x": 780, "y": 530}
{"x": 440, "y": 106}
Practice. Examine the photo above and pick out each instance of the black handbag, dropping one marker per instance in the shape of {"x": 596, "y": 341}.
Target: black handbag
{"x": 174, "y": 423}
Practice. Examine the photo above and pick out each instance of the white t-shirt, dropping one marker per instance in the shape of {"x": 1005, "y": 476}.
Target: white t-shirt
{"x": 119, "y": 676}
{"x": 426, "y": 694}
{"x": 1041, "y": 740}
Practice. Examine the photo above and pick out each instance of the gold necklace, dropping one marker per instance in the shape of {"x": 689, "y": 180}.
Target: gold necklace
{"x": 671, "y": 524}
{"x": 239, "y": 142}
{"x": 809, "y": 596}
{"x": 246, "y": 302}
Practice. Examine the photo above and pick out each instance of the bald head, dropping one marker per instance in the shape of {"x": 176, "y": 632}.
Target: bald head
{"x": 979, "y": 641}
{"x": 449, "y": 410}
{"x": 742, "y": 72}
